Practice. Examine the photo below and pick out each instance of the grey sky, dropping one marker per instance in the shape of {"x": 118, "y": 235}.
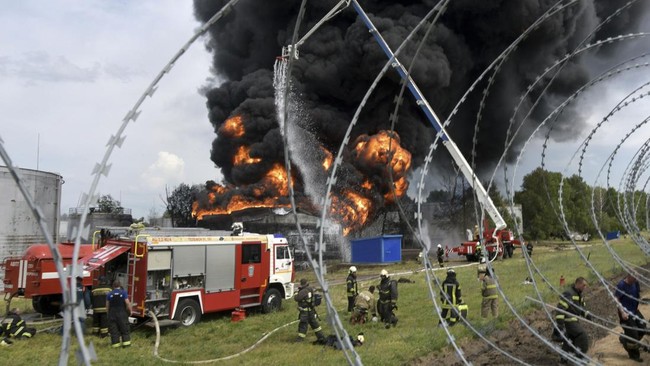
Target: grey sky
{"x": 70, "y": 71}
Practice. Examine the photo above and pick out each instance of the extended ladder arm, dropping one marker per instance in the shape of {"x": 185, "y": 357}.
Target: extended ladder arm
{"x": 459, "y": 159}
{"x": 421, "y": 101}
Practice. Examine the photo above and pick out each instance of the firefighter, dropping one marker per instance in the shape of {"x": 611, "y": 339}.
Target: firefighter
{"x": 451, "y": 299}
{"x": 16, "y": 328}
{"x": 118, "y": 308}
{"x": 353, "y": 290}
{"x": 490, "y": 297}
{"x": 100, "y": 318}
{"x": 364, "y": 304}
{"x": 387, "y": 299}
{"x": 571, "y": 306}
{"x": 440, "y": 253}
{"x": 307, "y": 312}
{"x": 481, "y": 269}
{"x": 628, "y": 294}
{"x": 81, "y": 303}
{"x": 529, "y": 248}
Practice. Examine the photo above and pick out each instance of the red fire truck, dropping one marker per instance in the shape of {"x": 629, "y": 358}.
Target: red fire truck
{"x": 496, "y": 243}
{"x": 34, "y": 275}
{"x": 183, "y": 277}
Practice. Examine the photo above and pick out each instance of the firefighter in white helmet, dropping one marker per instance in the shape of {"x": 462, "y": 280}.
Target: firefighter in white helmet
{"x": 387, "y": 299}
{"x": 451, "y": 298}
{"x": 353, "y": 290}
{"x": 440, "y": 253}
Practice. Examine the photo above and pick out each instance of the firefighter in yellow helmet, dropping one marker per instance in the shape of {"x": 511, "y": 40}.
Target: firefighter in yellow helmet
{"x": 352, "y": 288}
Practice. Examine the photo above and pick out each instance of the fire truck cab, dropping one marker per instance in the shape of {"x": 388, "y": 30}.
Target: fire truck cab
{"x": 183, "y": 277}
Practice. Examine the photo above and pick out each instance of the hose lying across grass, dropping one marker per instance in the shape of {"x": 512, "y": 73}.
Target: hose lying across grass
{"x": 157, "y": 344}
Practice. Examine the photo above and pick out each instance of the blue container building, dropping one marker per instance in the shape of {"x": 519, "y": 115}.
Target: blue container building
{"x": 380, "y": 249}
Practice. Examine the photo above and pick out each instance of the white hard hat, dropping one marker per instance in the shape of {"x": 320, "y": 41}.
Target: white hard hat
{"x": 482, "y": 260}
{"x": 361, "y": 338}
{"x": 353, "y": 269}
{"x": 384, "y": 272}
{"x": 439, "y": 245}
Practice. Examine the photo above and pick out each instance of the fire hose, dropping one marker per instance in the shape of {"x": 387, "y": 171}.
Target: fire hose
{"x": 157, "y": 344}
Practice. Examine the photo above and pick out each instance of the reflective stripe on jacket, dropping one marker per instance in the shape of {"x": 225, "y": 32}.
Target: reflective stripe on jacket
{"x": 489, "y": 288}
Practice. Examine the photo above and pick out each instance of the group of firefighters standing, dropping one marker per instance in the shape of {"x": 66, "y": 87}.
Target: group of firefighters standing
{"x": 567, "y": 329}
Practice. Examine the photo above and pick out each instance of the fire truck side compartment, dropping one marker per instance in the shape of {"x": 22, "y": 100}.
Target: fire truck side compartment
{"x": 189, "y": 261}
{"x": 220, "y": 271}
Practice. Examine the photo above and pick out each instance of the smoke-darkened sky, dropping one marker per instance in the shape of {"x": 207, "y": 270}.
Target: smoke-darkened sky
{"x": 339, "y": 62}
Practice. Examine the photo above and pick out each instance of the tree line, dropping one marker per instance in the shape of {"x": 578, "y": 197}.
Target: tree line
{"x": 544, "y": 214}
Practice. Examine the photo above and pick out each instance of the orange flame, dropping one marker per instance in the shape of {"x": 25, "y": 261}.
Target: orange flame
{"x": 273, "y": 185}
{"x": 233, "y": 127}
{"x": 243, "y": 156}
{"x": 352, "y": 210}
{"x": 327, "y": 161}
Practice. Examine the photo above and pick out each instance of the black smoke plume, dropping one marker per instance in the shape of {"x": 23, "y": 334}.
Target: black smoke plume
{"x": 339, "y": 62}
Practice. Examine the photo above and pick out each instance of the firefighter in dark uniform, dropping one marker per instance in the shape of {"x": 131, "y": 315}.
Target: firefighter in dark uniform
{"x": 440, "y": 253}
{"x": 387, "y": 299}
{"x": 118, "y": 308}
{"x": 16, "y": 328}
{"x": 100, "y": 317}
{"x": 628, "y": 293}
{"x": 572, "y": 305}
{"x": 353, "y": 290}
{"x": 451, "y": 298}
{"x": 307, "y": 312}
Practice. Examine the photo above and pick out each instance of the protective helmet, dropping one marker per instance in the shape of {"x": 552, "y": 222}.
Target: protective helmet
{"x": 383, "y": 273}
{"x": 482, "y": 260}
{"x": 304, "y": 282}
{"x": 361, "y": 338}
{"x": 450, "y": 271}
{"x": 439, "y": 245}
{"x": 353, "y": 269}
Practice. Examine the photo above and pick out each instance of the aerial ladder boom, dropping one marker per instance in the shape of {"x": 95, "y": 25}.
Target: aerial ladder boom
{"x": 481, "y": 194}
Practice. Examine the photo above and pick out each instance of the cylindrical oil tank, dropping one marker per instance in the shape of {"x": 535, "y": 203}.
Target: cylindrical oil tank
{"x": 18, "y": 227}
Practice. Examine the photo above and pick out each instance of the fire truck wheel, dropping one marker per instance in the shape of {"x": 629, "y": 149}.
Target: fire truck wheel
{"x": 47, "y": 304}
{"x": 272, "y": 301}
{"x": 188, "y": 312}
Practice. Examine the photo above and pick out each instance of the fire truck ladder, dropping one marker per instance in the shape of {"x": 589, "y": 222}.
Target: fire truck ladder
{"x": 481, "y": 194}
{"x": 132, "y": 261}
{"x": 131, "y": 265}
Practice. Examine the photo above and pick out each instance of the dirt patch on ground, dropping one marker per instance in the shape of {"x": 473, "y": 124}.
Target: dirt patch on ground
{"x": 519, "y": 342}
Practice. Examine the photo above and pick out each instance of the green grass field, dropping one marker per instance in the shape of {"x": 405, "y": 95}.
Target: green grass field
{"x": 416, "y": 335}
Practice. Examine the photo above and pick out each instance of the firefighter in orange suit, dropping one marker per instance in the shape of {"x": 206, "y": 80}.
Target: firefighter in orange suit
{"x": 100, "y": 317}
{"x": 307, "y": 312}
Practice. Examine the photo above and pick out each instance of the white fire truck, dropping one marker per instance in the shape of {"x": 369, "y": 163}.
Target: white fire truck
{"x": 183, "y": 277}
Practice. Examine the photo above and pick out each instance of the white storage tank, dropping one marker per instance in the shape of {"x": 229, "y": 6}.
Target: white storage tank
{"x": 18, "y": 226}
